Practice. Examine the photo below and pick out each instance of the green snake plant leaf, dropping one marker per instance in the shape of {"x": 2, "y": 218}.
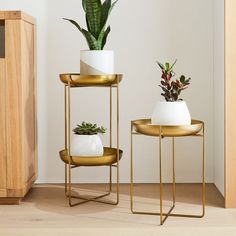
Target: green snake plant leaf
{"x": 96, "y": 18}
{"x": 85, "y": 10}
{"x": 84, "y": 5}
{"x": 102, "y": 37}
{"x": 104, "y": 40}
{"x": 74, "y": 23}
{"x": 93, "y": 10}
{"x": 112, "y": 5}
{"x": 105, "y": 11}
{"x": 91, "y": 40}
{"x": 107, "y": 7}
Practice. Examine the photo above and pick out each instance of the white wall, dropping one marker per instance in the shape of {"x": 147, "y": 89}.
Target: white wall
{"x": 219, "y": 94}
{"x": 142, "y": 32}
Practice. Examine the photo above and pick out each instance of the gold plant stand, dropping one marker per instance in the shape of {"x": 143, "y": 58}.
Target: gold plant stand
{"x": 144, "y": 127}
{"x": 111, "y": 156}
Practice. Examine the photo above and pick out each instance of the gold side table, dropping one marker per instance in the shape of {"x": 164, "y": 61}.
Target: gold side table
{"x": 144, "y": 127}
{"x": 111, "y": 155}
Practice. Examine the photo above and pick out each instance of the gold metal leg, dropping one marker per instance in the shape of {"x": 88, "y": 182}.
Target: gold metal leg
{"x": 160, "y": 171}
{"x": 110, "y": 116}
{"x": 110, "y": 167}
{"x": 69, "y": 166}
{"x": 166, "y": 215}
{"x": 117, "y": 140}
{"x": 110, "y": 178}
{"x": 65, "y": 119}
{"x": 203, "y": 182}
{"x": 161, "y": 213}
{"x": 203, "y": 174}
{"x": 68, "y": 138}
{"x": 131, "y": 171}
{"x": 66, "y": 179}
{"x": 173, "y": 171}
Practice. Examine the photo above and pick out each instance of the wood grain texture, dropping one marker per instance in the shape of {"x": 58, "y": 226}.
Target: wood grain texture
{"x": 15, "y": 175}
{"x": 9, "y": 201}
{"x": 35, "y": 102}
{"x": 18, "y": 99}
{"x": 230, "y": 107}
{"x": 3, "y": 192}
{"x": 21, "y": 192}
{"x": 16, "y": 15}
{"x": 28, "y": 101}
{"x": 45, "y": 208}
{"x": 3, "y": 160}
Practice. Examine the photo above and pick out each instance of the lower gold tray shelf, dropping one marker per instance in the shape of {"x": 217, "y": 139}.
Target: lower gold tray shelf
{"x": 109, "y": 157}
{"x": 145, "y": 127}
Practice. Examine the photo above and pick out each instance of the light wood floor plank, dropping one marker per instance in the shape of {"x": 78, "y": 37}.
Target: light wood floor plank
{"x": 45, "y": 211}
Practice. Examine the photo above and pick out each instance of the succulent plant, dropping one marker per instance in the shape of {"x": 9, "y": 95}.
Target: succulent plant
{"x": 172, "y": 88}
{"x": 97, "y": 14}
{"x": 88, "y": 129}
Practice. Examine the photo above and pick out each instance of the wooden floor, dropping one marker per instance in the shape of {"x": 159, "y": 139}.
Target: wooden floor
{"x": 45, "y": 211}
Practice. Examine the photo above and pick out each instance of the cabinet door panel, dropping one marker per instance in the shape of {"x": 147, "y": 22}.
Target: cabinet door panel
{"x": 13, "y": 106}
{"x": 2, "y": 130}
{"x": 28, "y": 102}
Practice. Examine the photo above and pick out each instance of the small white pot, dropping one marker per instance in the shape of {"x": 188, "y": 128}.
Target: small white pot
{"x": 171, "y": 113}
{"x": 86, "y": 145}
{"x": 96, "y": 62}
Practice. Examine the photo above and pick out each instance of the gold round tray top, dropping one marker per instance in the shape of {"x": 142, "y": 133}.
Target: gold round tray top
{"x": 77, "y": 80}
{"x": 109, "y": 157}
{"x": 145, "y": 127}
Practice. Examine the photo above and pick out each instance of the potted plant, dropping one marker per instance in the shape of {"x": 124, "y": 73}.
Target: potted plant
{"x": 96, "y": 61}
{"x": 172, "y": 111}
{"x": 86, "y": 141}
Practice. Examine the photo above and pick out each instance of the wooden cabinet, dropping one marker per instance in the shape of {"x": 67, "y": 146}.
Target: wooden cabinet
{"x": 18, "y": 142}
{"x": 230, "y": 107}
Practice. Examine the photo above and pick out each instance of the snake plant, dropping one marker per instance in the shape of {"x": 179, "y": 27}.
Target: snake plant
{"x": 96, "y": 14}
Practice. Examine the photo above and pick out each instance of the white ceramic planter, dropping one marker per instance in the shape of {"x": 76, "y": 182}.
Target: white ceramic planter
{"x": 171, "y": 113}
{"x": 96, "y": 62}
{"x": 86, "y": 145}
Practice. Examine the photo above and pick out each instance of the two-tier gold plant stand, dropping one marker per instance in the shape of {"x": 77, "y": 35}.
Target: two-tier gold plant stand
{"x": 144, "y": 127}
{"x": 111, "y": 155}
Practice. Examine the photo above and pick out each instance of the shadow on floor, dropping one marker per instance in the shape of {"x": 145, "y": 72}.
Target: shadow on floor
{"x": 52, "y": 198}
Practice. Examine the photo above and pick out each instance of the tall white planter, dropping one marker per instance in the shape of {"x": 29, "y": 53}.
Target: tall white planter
{"x": 171, "y": 113}
{"x": 96, "y": 62}
{"x": 86, "y": 145}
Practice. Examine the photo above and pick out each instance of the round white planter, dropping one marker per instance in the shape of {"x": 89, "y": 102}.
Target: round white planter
{"x": 96, "y": 62}
{"x": 86, "y": 145}
{"x": 171, "y": 113}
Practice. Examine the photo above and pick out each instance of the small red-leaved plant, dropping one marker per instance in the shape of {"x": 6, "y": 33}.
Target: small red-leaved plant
{"x": 172, "y": 88}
